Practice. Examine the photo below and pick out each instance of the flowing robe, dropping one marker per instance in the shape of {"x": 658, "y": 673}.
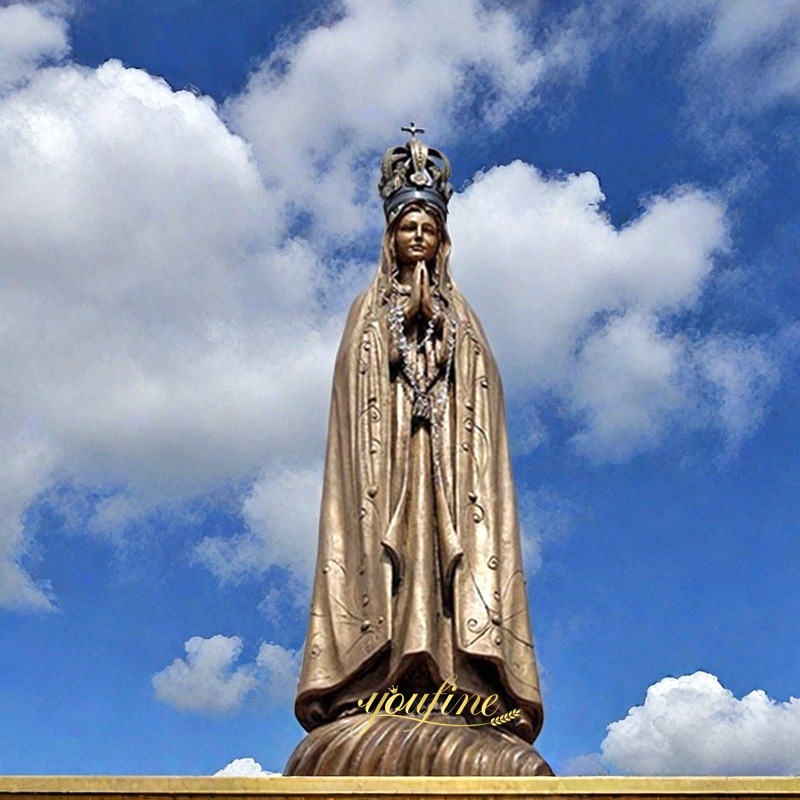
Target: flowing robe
{"x": 419, "y": 572}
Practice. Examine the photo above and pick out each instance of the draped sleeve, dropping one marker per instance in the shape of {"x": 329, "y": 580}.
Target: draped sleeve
{"x": 349, "y": 621}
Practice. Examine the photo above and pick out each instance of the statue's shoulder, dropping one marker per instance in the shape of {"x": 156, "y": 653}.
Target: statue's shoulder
{"x": 466, "y": 313}
{"x": 358, "y": 302}
{"x": 354, "y": 326}
{"x": 472, "y": 329}
{"x": 358, "y": 309}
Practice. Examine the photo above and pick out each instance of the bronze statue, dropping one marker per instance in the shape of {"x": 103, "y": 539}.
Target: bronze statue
{"x": 419, "y": 576}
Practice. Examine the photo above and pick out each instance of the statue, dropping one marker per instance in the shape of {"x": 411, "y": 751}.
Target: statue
{"x": 419, "y": 576}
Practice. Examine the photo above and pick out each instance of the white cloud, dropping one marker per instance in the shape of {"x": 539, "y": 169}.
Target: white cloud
{"x": 580, "y": 310}
{"x": 542, "y": 256}
{"x": 544, "y": 517}
{"x": 160, "y": 331}
{"x": 322, "y": 103}
{"x": 29, "y": 35}
{"x": 26, "y": 463}
{"x": 278, "y": 669}
{"x": 741, "y": 375}
{"x": 163, "y": 334}
{"x": 206, "y": 680}
{"x": 692, "y": 725}
{"x": 155, "y": 333}
{"x": 281, "y": 511}
{"x": 625, "y": 385}
{"x": 244, "y": 768}
{"x": 209, "y": 681}
{"x": 749, "y": 55}
{"x": 589, "y": 764}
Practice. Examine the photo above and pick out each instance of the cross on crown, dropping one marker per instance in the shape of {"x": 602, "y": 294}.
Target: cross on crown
{"x": 412, "y": 130}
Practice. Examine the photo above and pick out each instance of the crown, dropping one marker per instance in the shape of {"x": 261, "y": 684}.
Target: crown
{"x": 414, "y": 171}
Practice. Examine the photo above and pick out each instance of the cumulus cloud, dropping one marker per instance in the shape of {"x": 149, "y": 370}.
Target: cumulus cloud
{"x": 541, "y": 254}
{"x": 692, "y": 725}
{"x": 26, "y": 463}
{"x": 281, "y": 511}
{"x": 150, "y": 284}
{"x": 209, "y": 681}
{"x": 243, "y": 768}
{"x": 169, "y": 324}
{"x": 206, "y": 679}
{"x": 145, "y": 297}
{"x": 278, "y": 669}
{"x": 29, "y": 36}
{"x": 376, "y": 64}
{"x": 743, "y": 34}
{"x": 581, "y": 310}
{"x": 747, "y": 60}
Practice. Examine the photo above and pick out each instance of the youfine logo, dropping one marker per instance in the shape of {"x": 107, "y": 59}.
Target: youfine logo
{"x": 418, "y": 708}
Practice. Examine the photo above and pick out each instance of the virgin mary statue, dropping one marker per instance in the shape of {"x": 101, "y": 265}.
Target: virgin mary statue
{"x": 419, "y": 574}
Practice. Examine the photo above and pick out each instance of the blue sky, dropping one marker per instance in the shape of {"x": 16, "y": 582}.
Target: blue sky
{"x": 177, "y": 265}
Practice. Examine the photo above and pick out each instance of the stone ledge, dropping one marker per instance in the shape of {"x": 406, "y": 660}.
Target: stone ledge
{"x": 279, "y": 787}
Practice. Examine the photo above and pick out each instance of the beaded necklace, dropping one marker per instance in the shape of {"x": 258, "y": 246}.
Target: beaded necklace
{"x": 423, "y": 404}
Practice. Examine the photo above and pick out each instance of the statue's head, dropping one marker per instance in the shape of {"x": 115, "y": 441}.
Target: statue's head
{"x": 415, "y": 190}
{"x": 413, "y": 173}
{"x": 417, "y": 234}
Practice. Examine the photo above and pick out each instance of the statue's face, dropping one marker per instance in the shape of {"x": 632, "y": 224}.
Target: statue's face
{"x": 416, "y": 238}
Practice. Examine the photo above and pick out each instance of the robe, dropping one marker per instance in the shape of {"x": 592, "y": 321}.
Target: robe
{"x": 419, "y": 571}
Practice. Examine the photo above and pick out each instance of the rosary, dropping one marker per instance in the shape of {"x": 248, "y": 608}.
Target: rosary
{"x": 423, "y": 404}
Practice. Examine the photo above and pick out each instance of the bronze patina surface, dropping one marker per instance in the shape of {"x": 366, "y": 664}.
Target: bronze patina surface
{"x": 419, "y": 575}
{"x": 393, "y": 747}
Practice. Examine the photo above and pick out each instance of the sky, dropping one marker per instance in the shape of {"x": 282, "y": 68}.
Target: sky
{"x": 188, "y": 204}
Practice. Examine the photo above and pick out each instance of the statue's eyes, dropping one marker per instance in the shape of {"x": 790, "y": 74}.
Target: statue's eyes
{"x": 410, "y": 227}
